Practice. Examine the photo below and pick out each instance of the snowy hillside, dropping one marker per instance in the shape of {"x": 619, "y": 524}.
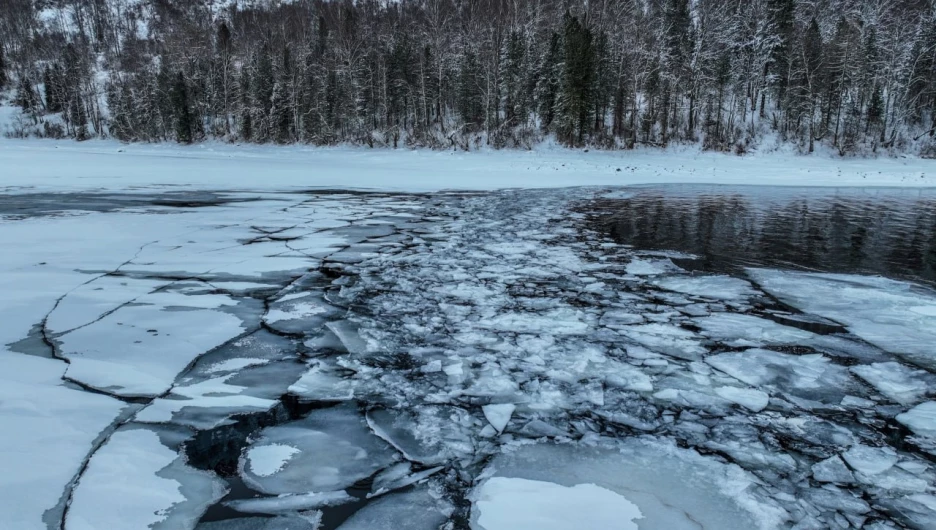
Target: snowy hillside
{"x": 853, "y": 77}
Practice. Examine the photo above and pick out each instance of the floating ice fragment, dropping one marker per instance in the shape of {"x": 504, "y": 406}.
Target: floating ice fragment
{"x": 717, "y": 287}
{"x": 284, "y": 504}
{"x": 336, "y": 449}
{"x": 870, "y": 460}
{"x": 673, "y": 489}
{"x": 521, "y": 504}
{"x": 921, "y": 419}
{"x": 896, "y": 381}
{"x": 413, "y": 510}
{"x": 154, "y": 487}
{"x": 749, "y": 398}
{"x": 832, "y": 470}
{"x": 499, "y": 415}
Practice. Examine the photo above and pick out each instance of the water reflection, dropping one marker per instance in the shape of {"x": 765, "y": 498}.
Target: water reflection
{"x": 877, "y": 231}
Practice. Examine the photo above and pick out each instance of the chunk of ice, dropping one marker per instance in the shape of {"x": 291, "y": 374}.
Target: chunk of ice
{"x": 675, "y": 489}
{"x": 870, "y": 460}
{"x": 749, "y": 398}
{"x": 896, "y": 381}
{"x": 499, "y": 415}
{"x": 413, "y": 510}
{"x": 898, "y": 317}
{"x": 284, "y": 504}
{"x": 517, "y": 503}
{"x": 154, "y": 486}
{"x": 921, "y": 419}
{"x": 717, "y": 287}
{"x": 335, "y": 450}
{"x": 833, "y": 470}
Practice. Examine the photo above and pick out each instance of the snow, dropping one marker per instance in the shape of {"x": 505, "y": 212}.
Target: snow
{"x": 134, "y": 467}
{"x": 516, "y": 503}
{"x": 48, "y": 429}
{"x": 266, "y": 460}
{"x": 110, "y": 165}
{"x": 125, "y": 352}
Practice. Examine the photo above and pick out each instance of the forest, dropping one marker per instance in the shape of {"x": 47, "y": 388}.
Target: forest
{"x": 853, "y": 76}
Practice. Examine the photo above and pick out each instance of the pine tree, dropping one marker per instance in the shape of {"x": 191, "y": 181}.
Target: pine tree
{"x": 184, "y": 125}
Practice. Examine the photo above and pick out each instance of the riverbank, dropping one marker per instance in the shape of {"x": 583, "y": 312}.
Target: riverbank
{"x": 45, "y": 165}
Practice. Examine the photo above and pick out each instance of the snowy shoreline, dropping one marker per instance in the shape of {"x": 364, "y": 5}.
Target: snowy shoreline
{"x": 110, "y": 165}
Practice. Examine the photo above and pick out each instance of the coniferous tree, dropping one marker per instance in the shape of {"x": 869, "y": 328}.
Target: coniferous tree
{"x": 813, "y": 75}
{"x": 576, "y": 90}
{"x": 3, "y": 72}
{"x": 184, "y": 121}
{"x": 25, "y": 97}
{"x": 246, "y": 107}
{"x": 612, "y": 73}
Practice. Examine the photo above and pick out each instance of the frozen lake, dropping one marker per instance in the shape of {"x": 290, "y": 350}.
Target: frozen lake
{"x": 653, "y": 358}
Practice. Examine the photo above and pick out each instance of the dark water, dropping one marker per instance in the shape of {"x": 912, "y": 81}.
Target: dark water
{"x": 24, "y": 205}
{"x": 886, "y": 231}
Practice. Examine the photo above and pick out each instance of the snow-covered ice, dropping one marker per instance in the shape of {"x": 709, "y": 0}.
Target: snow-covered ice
{"x": 134, "y": 481}
{"x": 517, "y": 503}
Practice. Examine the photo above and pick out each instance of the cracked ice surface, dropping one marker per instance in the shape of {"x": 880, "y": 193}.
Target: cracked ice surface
{"x": 345, "y": 360}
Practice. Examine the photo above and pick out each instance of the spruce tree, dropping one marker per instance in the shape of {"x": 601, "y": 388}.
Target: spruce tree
{"x": 25, "y": 97}
{"x": 280, "y": 114}
{"x": 782, "y": 19}
{"x": 548, "y": 81}
{"x": 184, "y": 124}
{"x": 812, "y": 54}
{"x": 576, "y": 89}
{"x": 262, "y": 99}
{"x": 3, "y": 67}
{"x": 246, "y": 108}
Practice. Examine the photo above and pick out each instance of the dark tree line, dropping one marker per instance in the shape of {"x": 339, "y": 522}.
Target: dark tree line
{"x": 856, "y": 75}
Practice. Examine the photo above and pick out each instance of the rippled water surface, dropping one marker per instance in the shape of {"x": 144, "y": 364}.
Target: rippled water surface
{"x": 873, "y": 230}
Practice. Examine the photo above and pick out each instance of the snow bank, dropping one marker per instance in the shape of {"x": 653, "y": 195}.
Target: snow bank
{"x": 64, "y": 165}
